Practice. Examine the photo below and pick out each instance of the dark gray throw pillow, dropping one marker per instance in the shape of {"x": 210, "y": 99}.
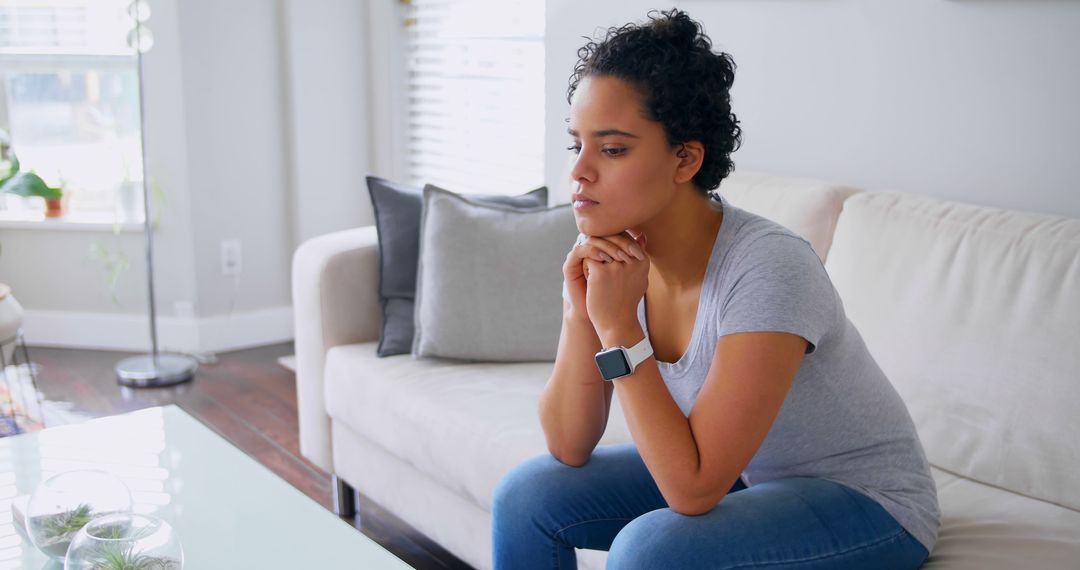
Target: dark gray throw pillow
{"x": 398, "y": 208}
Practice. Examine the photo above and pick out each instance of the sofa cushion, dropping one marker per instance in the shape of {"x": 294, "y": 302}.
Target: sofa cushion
{"x": 466, "y": 424}
{"x": 486, "y": 288}
{"x": 973, "y": 313}
{"x": 397, "y": 210}
{"x": 805, "y": 206}
{"x": 986, "y": 528}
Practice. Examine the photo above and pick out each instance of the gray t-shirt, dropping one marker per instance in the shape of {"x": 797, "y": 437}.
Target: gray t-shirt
{"x": 842, "y": 420}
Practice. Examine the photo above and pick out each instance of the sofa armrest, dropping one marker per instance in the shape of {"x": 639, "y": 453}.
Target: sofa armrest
{"x": 335, "y": 287}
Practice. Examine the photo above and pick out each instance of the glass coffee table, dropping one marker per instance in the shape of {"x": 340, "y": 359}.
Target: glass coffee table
{"x": 229, "y": 511}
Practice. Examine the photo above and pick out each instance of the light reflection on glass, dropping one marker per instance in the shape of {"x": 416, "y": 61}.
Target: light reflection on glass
{"x": 13, "y": 552}
{"x": 51, "y": 466}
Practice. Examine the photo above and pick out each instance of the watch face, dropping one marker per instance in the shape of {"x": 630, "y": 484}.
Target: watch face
{"x": 612, "y": 364}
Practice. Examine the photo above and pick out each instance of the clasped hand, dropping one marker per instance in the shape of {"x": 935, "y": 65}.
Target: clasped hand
{"x": 606, "y": 278}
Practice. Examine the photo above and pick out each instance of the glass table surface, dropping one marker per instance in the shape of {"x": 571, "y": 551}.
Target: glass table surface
{"x": 229, "y": 511}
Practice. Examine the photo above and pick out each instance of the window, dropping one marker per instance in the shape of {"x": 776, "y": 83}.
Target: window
{"x": 475, "y": 84}
{"x": 69, "y": 100}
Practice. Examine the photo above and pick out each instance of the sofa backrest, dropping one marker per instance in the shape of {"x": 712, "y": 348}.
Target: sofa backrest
{"x": 805, "y": 206}
{"x": 974, "y": 315}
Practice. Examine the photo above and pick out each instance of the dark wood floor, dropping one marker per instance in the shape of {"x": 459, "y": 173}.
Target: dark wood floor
{"x": 248, "y": 398}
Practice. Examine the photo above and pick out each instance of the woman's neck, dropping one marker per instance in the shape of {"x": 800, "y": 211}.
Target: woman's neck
{"x": 680, "y": 240}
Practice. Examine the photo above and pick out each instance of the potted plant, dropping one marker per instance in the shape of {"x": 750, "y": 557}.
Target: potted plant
{"x": 66, "y": 502}
{"x": 125, "y": 542}
{"x": 26, "y": 184}
{"x": 116, "y": 557}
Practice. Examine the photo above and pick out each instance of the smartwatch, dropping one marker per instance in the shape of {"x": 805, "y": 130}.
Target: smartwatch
{"x": 619, "y": 361}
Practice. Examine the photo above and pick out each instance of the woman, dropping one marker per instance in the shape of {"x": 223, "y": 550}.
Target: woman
{"x": 764, "y": 434}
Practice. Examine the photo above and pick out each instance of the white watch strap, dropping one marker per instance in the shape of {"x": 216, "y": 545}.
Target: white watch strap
{"x": 639, "y": 352}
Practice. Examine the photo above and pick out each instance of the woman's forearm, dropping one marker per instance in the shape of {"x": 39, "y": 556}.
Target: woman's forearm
{"x": 664, "y": 436}
{"x": 575, "y": 402}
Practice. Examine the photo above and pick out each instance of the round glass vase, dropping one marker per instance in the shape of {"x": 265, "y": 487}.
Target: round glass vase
{"x": 66, "y": 502}
{"x": 125, "y": 542}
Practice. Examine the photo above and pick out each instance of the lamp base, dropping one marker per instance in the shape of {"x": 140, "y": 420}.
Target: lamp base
{"x": 148, "y": 371}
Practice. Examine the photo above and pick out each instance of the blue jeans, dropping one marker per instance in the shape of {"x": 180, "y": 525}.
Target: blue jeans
{"x": 544, "y": 509}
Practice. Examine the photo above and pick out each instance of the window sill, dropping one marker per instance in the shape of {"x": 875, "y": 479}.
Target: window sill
{"x": 69, "y": 222}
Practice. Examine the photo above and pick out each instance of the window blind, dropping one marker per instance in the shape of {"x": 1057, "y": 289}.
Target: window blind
{"x": 65, "y": 27}
{"x": 475, "y": 94}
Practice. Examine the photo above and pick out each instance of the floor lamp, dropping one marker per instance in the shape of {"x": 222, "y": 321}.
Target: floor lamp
{"x": 156, "y": 368}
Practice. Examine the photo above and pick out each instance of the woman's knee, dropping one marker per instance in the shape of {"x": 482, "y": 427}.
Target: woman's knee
{"x": 649, "y": 541}
{"x": 529, "y": 487}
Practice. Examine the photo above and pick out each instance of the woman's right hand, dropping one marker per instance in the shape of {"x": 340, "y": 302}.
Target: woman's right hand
{"x": 620, "y": 247}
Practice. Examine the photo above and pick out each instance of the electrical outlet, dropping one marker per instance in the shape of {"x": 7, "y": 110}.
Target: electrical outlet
{"x": 231, "y": 257}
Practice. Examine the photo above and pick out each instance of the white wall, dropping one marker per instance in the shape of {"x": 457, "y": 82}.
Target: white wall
{"x": 327, "y": 97}
{"x": 216, "y": 143}
{"x": 257, "y": 129}
{"x": 50, "y": 271}
{"x": 233, "y": 100}
{"x": 972, "y": 100}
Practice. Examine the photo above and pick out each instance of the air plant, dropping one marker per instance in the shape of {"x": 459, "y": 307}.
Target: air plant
{"x": 58, "y": 530}
{"x": 67, "y": 523}
{"x": 117, "y": 551}
{"x": 118, "y": 557}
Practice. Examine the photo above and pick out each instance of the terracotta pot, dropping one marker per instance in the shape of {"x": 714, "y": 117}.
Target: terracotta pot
{"x": 54, "y": 207}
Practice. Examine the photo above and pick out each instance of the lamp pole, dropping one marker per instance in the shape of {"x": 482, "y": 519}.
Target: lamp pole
{"x": 155, "y": 369}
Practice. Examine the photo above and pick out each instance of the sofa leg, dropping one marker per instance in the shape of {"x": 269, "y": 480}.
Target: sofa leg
{"x": 344, "y": 497}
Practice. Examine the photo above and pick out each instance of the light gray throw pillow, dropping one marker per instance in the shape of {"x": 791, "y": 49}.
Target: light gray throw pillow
{"x": 489, "y": 277}
{"x": 397, "y": 220}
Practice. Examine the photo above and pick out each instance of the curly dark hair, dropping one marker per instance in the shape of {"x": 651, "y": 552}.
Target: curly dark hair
{"x": 684, "y": 85}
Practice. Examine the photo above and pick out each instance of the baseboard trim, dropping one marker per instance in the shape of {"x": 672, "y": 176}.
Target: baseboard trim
{"x": 131, "y": 332}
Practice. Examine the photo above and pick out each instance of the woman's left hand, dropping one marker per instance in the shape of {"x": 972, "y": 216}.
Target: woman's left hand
{"x": 614, "y": 289}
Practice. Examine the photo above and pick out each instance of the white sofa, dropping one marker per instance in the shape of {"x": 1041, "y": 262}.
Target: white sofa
{"x": 973, "y": 312}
